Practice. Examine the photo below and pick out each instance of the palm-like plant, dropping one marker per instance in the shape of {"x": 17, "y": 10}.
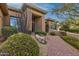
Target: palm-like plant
{"x": 67, "y": 10}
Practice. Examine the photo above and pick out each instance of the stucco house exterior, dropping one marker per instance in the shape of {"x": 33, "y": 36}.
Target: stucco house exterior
{"x": 27, "y": 19}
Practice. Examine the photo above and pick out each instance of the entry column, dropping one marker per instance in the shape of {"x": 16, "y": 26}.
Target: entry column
{"x": 7, "y": 20}
{"x": 42, "y": 23}
{"x": 29, "y": 21}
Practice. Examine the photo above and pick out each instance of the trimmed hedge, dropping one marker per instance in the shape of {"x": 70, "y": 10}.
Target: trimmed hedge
{"x": 41, "y": 33}
{"x": 71, "y": 40}
{"x": 74, "y": 30}
{"x": 19, "y": 44}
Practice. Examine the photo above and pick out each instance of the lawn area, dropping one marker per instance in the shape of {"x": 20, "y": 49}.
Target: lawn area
{"x": 71, "y": 40}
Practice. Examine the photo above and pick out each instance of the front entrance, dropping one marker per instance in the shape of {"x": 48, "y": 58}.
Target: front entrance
{"x": 35, "y": 23}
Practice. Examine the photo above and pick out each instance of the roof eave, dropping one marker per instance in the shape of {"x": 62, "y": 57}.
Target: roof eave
{"x": 30, "y": 5}
{"x": 14, "y": 9}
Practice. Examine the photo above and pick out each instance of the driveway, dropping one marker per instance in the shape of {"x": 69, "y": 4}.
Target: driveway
{"x": 58, "y": 47}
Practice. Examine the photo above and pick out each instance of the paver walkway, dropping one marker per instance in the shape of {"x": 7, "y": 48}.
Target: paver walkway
{"x": 58, "y": 47}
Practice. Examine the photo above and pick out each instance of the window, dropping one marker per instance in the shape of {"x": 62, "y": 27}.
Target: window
{"x": 13, "y": 22}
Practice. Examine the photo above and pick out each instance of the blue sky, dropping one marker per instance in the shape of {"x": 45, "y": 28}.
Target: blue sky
{"x": 46, "y": 6}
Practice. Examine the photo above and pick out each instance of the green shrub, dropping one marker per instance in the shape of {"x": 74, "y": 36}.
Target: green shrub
{"x": 7, "y": 31}
{"x": 19, "y": 44}
{"x": 41, "y": 33}
{"x": 13, "y": 29}
{"x": 71, "y": 30}
{"x": 52, "y": 33}
{"x": 74, "y": 30}
{"x": 65, "y": 27}
{"x": 71, "y": 40}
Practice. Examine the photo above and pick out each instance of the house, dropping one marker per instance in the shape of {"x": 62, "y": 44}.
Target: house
{"x": 50, "y": 25}
{"x": 27, "y": 19}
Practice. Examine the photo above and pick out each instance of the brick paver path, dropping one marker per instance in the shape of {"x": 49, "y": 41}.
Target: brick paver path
{"x": 58, "y": 47}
